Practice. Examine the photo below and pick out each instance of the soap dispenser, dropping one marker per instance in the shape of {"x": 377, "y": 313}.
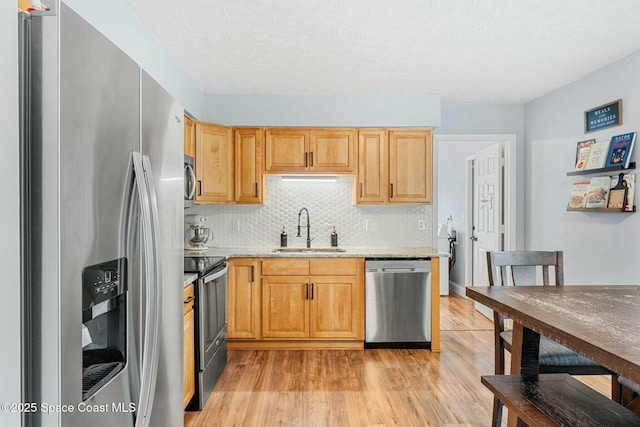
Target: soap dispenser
{"x": 283, "y": 237}
{"x": 334, "y": 238}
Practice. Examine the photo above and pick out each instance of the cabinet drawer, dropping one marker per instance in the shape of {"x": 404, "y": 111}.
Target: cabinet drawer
{"x": 189, "y": 298}
{"x": 285, "y": 267}
{"x": 333, "y": 266}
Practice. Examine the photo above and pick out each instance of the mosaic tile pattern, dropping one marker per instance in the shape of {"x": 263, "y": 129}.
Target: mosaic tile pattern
{"x": 329, "y": 204}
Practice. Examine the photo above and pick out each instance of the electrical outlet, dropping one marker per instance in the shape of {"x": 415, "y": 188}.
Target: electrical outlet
{"x": 422, "y": 225}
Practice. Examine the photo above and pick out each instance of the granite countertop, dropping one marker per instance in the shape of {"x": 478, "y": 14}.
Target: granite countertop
{"x": 349, "y": 252}
{"x": 190, "y": 278}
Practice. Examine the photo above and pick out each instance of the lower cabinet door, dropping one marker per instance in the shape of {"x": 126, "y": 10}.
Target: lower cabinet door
{"x": 243, "y": 299}
{"x": 189, "y": 357}
{"x": 335, "y": 307}
{"x": 285, "y": 307}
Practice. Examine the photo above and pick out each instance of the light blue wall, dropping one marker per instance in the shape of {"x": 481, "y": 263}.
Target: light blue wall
{"x": 118, "y": 23}
{"x": 451, "y": 196}
{"x": 9, "y": 214}
{"x": 598, "y": 247}
{"x": 325, "y": 110}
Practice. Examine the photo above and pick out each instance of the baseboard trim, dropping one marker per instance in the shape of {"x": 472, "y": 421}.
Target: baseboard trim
{"x": 457, "y": 288}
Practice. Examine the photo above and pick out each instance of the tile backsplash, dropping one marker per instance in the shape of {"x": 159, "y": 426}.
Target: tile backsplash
{"x": 329, "y": 204}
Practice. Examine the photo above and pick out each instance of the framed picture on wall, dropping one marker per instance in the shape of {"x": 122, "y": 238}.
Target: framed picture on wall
{"x": 603, "y": 116}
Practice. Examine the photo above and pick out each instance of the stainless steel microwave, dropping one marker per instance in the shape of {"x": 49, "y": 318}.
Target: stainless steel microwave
{"x": 189, "y": 181}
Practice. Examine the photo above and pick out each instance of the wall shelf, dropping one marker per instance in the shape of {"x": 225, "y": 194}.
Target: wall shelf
{"x": 632, "y": 165}
{"x": 616, "y": 210}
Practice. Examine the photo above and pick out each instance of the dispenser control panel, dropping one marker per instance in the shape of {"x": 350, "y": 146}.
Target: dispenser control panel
{"x": 103, "y": 281}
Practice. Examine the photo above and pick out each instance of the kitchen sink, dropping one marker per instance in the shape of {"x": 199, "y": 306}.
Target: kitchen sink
{"x": 299, "y": 250}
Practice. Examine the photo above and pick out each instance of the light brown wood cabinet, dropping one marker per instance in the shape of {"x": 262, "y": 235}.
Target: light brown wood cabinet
{"x": 189, "y": 345}
{"x": 249, "y": 181}
{"x": 394, "y": 166}
{"x": 243, "y": 298}
{"x": 410, "y": 166}
{"x": 310, "y": 150}
{"x": 312, "y": 298}
{"x": 189, "y": 137}
{"x": 373, "y": 166}
{"x": 214, "y": 163}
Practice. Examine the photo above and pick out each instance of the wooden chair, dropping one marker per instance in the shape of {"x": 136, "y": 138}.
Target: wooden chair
{"x": 533, "y": 268}
{"x": 628, "y": 394}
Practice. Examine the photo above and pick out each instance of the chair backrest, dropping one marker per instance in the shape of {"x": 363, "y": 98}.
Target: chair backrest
{"x": 525, "y": 268}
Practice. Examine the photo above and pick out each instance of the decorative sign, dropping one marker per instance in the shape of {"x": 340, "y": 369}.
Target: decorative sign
{"x": 604, "y": 116}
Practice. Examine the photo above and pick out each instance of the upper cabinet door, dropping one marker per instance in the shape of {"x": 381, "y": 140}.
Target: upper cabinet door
{"x": 214, "y": 164}
{"x": 332, "y": 150}
{"x": 249, "y": 148}
{"x": 286, "y": 150}
{"x": 410, "y": 166}
{"x": 371, "y": 185}
{"x": 189, "y": 137}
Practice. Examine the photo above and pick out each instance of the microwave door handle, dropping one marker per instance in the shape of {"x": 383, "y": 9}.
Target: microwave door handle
{"x": 147, "y": 379}
{"x": 192, "y": 181}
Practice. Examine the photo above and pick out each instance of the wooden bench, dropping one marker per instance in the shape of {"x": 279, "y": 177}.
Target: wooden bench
{"x": 558, "y": 400}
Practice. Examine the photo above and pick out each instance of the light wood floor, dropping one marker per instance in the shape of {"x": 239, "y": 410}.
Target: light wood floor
{"x": 364, "y": 388}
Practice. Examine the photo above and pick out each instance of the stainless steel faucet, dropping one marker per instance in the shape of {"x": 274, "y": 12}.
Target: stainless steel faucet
{"x": 308, "y": 227}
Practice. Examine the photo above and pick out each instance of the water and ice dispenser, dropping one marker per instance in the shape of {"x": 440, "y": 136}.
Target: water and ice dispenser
{"x": 104, "y": 323}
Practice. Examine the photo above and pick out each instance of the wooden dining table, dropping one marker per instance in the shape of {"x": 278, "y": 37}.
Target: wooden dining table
{"x": 599, "y": 322}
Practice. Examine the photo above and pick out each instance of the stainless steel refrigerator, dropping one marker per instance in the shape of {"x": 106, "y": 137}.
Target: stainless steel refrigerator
{"x": 102, "y": 226}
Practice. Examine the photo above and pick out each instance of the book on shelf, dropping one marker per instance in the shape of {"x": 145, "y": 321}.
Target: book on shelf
{"x": 597, "y": 155}
{"x": 582, "y": 153}
{"x": 578, "y": 198}
{"x": 620, "y": 149}
{"x": 598, "y": 193}
{"x": 629, "y": 181}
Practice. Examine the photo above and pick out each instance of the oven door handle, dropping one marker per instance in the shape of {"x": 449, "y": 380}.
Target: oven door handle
{"x": 217, "y": 274}
{"x": 203, "y": 313}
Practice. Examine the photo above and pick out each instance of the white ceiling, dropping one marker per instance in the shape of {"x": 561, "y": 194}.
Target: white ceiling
{"x": 480, "y": 51}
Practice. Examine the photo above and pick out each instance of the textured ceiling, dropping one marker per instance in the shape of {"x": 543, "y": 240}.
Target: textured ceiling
{"x": 482, "y": 51}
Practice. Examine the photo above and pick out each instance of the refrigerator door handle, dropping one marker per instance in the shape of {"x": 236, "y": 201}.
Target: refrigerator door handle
{"x": 149, "y": 214}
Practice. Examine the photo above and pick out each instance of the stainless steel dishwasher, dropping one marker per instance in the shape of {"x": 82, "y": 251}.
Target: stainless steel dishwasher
{"x": 398, "y": 303}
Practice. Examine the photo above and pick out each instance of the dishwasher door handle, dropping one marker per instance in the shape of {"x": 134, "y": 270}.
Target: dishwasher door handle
{"x": 398, "y": 270}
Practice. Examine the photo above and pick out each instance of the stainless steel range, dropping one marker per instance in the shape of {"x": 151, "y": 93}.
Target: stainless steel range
{"x": 211, "y": 323}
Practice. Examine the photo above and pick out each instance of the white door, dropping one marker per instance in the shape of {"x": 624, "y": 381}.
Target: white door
{"x": 488, "y": 201}
{"x": 488, "y": 213}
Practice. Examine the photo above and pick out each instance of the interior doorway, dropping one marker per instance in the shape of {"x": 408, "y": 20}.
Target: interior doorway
{"x": 456, "y": 157}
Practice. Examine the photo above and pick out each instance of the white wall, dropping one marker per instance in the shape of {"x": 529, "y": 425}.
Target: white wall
{"x": 10, "y": 384}
{"x": 119, "y": 24}
{"x": 598, "y": 247}
{"x": 329, "y": 204}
